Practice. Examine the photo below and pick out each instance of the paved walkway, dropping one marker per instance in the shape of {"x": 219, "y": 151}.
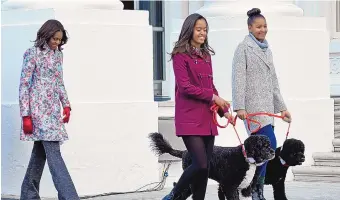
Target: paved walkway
{"x": 294, "y": 190}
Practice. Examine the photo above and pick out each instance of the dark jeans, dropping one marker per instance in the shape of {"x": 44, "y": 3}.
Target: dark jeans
{"x": 269, "y": 132}
{"x": 43, "y": 150}
{"x": 196, "y": 175}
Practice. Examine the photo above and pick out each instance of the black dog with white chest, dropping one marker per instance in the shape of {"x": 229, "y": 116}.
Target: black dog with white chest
{"x": 290, "y": 154}
{"x": 228, "y": 165}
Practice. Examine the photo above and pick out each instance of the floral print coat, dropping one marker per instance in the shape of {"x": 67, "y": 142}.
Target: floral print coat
{"x": 41, "y": 92}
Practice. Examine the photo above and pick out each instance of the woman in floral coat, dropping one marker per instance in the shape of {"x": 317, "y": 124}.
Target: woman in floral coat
{"x": 41, "y": 94}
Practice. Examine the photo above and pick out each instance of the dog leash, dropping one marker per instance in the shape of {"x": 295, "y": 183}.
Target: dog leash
{"x": 256, "y": 122}
{"x": 215, "y": 108}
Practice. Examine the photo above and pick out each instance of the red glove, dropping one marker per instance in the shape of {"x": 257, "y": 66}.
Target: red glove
{"x": 66, "y": 113}
{"x": 27, "y": 125}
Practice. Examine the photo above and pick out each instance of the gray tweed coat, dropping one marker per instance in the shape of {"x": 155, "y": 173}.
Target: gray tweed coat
{"x": 255, "y": 86}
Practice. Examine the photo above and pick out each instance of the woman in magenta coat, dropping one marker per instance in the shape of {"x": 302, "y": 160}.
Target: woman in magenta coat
{"x": 195, "y": 94}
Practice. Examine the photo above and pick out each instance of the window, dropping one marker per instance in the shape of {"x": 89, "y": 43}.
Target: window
{"x": 155, "y": 9}
{"x": 156, "y": 18}
{"x": 336, "y": 17}
{"x": 128, "y": 5}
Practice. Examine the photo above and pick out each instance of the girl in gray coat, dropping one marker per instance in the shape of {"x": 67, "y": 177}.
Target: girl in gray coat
{"x": 255, "y": 85}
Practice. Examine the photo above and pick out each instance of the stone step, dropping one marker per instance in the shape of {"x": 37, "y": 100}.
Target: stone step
{"x": 337, "y": 135}
{"x": 316, "y": 173}
{"x": 336, "y": 144}
{"x": 329, "y": 159}
{"x": 336, "y": 100}
{"x": 337, "y": 129}
{"x": 336, "y": 115}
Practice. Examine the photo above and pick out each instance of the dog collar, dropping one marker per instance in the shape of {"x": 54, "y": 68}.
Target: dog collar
{"x": 283, "y": 162}
{"x": 252, "y": 161}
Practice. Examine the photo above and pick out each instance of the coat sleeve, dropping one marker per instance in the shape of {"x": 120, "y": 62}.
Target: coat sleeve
{"x": 183, "y": 81}
{"x": 27, "y": 70}
{"x": 61, "y": 86}
{"x": 279, "y": 104}
{"x": 239, "y": 78}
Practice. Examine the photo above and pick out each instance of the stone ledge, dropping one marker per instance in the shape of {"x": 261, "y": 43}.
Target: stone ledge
{"x": 336, "y": 142}
{"x": 327, "y": 159}
{"x": 336, "y": 101}
{"x": 337, "y": 128}
{"x": 316, "y": 173}
{"x": 168, "y": 158}
{"x": 327, "y": 156}
{"x": 166, "y": 104}
{"x": 337, "y": 114}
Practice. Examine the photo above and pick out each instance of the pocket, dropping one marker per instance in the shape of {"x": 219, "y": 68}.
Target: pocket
{"x": 205, "y": 80}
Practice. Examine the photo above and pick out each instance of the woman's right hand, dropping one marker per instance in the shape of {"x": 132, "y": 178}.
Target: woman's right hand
{"x": 242, "y": 114}
{"x": 220, "y": 102}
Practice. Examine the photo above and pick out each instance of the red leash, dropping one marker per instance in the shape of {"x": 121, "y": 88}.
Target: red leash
{"x": 215, "y": 108}
{"x": 256, "y": 122}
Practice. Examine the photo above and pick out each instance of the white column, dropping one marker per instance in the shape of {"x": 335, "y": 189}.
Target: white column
{"x": 194, "y": 5}
{"x": 240, "y": 8}
{"x": 43, "y": 4}
{"x": 108, "y": 76}
{"x": 291, "y": 38}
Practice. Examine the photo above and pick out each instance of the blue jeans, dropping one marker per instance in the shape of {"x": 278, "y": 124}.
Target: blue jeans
{"x": 269, "y": 132}
{"x": 50, "y": 151}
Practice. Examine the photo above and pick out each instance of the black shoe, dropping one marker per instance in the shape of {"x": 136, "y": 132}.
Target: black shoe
{"x": 260, "y": 191}
{"x": 172, "y": 196}
{"x": 257, "y": 192}
{"x": 254, "y": 194}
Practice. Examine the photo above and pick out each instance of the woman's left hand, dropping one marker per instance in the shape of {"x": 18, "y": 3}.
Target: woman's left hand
{"x": 286, "y": 116}
{"x": 229, "y": 117}
{"x": 67, "y": 113}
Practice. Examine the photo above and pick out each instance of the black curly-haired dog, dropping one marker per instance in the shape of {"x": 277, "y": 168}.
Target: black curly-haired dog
{"x": 228, "y": 165}
{"x": 290, "y": 154}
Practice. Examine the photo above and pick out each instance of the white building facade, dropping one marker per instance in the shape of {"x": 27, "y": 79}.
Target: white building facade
{"x": 116, "y": 70}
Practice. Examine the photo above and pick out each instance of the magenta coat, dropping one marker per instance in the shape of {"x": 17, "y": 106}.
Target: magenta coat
{"x": 193, "y": 96}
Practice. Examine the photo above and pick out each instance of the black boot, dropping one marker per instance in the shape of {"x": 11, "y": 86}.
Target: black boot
{"x": 260, "y": 191}
{"x": 173, "y": 196}
{"x": 257, "y": 192}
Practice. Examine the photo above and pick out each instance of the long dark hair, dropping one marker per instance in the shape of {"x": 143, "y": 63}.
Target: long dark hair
{"x": 47, "y": 31}
{"x": 183, "y": 43}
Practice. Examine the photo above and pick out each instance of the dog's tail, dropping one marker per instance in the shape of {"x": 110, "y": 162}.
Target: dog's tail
{"x": 160, "y": 146}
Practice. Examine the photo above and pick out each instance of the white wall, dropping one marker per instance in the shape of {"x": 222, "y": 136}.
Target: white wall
{"x": 323, "y": 9}
{"x": 108, "y": 76}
